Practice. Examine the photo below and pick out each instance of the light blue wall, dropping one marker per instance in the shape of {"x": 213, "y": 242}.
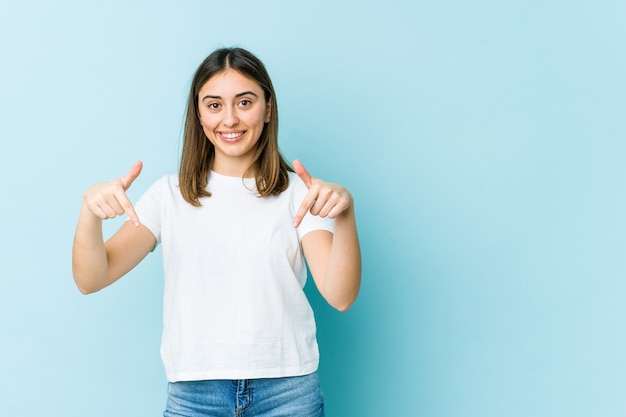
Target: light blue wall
{"x": 484, "y": 143}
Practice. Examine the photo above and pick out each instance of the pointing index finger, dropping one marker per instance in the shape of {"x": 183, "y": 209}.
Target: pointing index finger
{"x": 302, "y": 211}
{"x": 122, "y": 198}
{"x": 128, "y": 208}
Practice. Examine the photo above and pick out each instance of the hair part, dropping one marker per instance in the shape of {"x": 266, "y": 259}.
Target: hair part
{"x": 198, "y": 153}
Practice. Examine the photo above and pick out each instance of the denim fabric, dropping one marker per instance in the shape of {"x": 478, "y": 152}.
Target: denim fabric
{"x": 299, "y": 396}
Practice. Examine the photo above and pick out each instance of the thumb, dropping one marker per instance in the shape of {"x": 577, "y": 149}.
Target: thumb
{"x": 134, "y": 172}
{"x": 303, "y": 173}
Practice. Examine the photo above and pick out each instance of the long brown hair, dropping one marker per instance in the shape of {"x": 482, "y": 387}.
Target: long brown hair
{"x": 270, "y": 168}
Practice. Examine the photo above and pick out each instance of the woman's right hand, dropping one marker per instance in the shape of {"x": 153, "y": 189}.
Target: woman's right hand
{"x": 107, "y": 200}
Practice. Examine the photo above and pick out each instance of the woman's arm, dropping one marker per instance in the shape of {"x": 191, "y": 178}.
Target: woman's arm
{"x": 96, "y": 264}
{"x": 333, "y": 258}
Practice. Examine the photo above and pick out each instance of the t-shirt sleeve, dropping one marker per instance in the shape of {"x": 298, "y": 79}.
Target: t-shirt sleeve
{"x": 149, "y": 207}
{"x": 310, "y": 223}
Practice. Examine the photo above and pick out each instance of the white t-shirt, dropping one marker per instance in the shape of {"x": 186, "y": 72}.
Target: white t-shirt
{"x": 234, "y": 305}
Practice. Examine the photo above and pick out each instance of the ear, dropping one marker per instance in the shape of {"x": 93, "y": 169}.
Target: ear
{"x": 268, "y": 111}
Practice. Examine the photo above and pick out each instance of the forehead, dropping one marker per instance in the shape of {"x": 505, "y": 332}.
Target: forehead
{"x": 229, "y": 83}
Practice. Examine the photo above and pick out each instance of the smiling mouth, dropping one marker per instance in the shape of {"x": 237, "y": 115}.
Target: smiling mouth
{"x": 231, "y": 136}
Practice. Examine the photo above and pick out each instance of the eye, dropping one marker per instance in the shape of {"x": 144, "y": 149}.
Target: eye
{"x": 245, "y": 102}
{"x": 213, "y": 106}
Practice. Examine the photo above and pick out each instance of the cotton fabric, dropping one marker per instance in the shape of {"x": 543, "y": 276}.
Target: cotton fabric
{"x": 234, "y": 305}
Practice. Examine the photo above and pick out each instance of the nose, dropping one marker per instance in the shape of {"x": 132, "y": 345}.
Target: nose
{"x": 230, "y": 117}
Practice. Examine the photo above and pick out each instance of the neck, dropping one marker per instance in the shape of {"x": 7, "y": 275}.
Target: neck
{"x": 233, "y": 168}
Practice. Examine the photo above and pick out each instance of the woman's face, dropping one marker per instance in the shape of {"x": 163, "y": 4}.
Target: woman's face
{"x": 233, "y": 111}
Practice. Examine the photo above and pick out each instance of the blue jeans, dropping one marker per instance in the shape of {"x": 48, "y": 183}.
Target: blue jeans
{"x": 298, "y": 396}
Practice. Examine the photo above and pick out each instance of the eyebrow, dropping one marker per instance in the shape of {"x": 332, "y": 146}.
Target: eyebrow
{"x": 236, "y": 96}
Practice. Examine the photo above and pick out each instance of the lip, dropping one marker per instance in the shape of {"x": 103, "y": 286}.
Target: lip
{"x": 232, "y": 137}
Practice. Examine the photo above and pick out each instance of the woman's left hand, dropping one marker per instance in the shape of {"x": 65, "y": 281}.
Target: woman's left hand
{"x": 324, "y": 199}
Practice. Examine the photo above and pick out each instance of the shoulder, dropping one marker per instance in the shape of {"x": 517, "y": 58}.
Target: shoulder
{"x": 295, "y": 182}
{"x": 170, "y": 179}
{"x": 165, "y": 182}
{"x": 162, "y": 186}
{"x": 296, "y": 190}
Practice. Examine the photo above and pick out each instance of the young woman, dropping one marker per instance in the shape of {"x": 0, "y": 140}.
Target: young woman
{"x": 235, "y": 226}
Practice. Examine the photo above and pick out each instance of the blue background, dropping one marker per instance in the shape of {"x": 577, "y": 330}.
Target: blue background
{"x": 483, "y": 142}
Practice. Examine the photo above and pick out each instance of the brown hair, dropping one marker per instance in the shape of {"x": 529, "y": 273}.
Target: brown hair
{"x": 270, "y": 168}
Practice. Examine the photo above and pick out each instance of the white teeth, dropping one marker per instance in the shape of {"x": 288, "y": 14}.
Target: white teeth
{"x": 231, "y": 135}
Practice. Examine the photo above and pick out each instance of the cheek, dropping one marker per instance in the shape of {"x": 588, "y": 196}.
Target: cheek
{"x": 207, "y": 129}
{"x": 256, "y": 119}
{"x": 207, "y": 121}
